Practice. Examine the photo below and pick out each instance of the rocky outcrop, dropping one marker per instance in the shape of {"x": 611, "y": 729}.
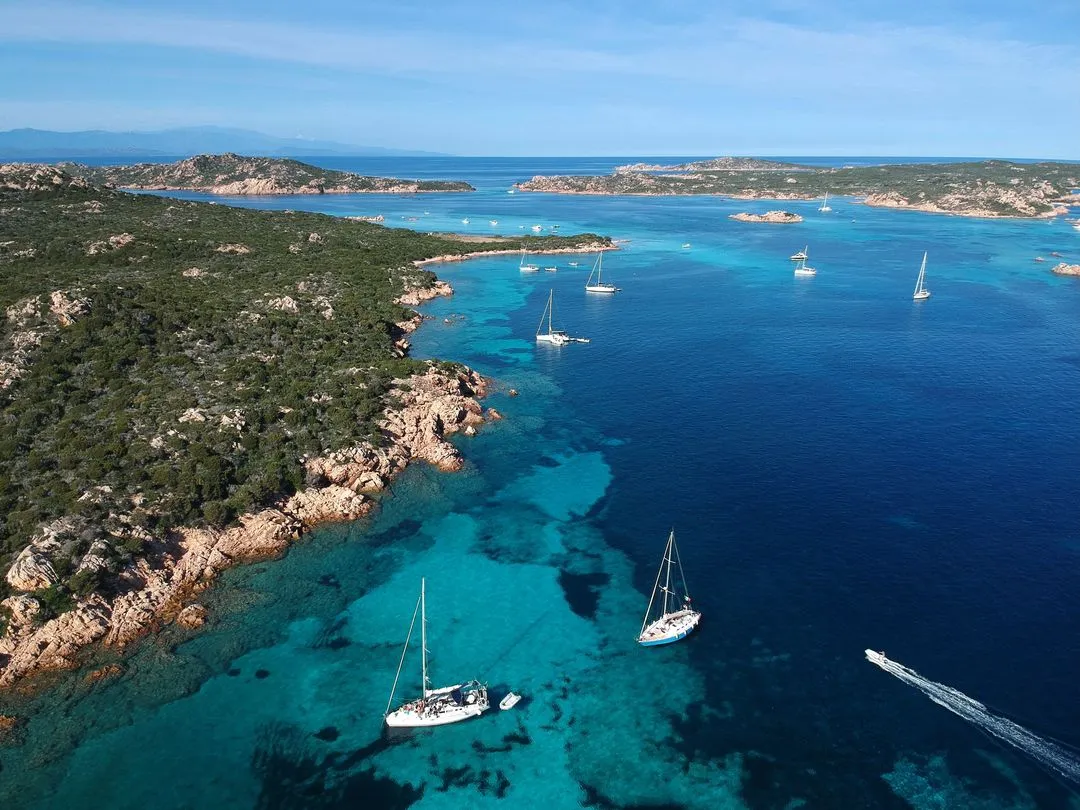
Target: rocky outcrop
{"x": 418, "y": 295}
{"x": 29, "y": 178}
{"x": 1063, "y": 269}
{"x": 31, "y": 570}
{"x": 768, "y": 216}
{"x": 158, "y": 587}
{"x": 30, "y": 321}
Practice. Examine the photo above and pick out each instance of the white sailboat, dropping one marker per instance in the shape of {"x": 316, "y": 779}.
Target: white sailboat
{"x": 556, "y": 337}
{"x": 434, "y": 707}
{"x": 598, "y": 271}
{"x": 921, "y": 293}
{"x": 825, "y": 205}
{"x": 677, "y": 618}
{"x": 801, "y": 268}
{"x": 529, "y": 267}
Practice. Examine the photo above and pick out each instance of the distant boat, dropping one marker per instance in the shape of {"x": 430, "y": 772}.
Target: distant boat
{"x": 686, "y": 245}
{"x": 552, "y": 269}
{"x": 510, "y": 701}
{"x": 825, "y": 205}
{"x": 527, "y": 268}
{"x": 493, "y": 222}
{"x": 598, "y": 271}
{"x": 434, "y": 707}
{"x": 801, "y": 268}
{"x": 537, "y": 228}
{"x": 677, "y": 618}
{"x": 556, "y": 337}
{"x": 465, "y": 221}
{"x": 921, "y": 293}
{"x": 800, "y": 256}
{"x": 510, "y": 191}
{"x": 573, "y": 264}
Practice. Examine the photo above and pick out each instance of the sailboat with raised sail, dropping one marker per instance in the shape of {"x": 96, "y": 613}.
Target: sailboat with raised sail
{"x": 527, "y": 268}
{"x": 825, "y": 205}
{"x": 598, "y": 270}
{"x": 434, "y": 707}
{"x": 676, "y": 619}
{"x": 921, "y": 293}
{"x": 801, "y": 268}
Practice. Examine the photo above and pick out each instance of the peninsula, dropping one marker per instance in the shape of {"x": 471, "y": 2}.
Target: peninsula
{"x": 991, "y": 188}
{"x": 237, "y": 175}
{"x": 775, "y": 217}
{"x": 185, "y": 386}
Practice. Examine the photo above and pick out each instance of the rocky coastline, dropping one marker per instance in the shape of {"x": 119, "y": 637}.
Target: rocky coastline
{"x": 1065, "y": 269}
{"x": 776, "y": 217}
{"x": 163, "y": 583}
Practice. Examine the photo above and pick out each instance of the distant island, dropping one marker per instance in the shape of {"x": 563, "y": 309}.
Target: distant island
{"x": 991, "y": 188}
{"x": 776, "y": 217}
{"x": 186, "y": 386}
{"x": 231, "y": 174}
{"x": 37, "y": 144}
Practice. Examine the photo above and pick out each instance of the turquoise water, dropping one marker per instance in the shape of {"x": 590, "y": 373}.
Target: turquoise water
{"x": 844, "y": 469}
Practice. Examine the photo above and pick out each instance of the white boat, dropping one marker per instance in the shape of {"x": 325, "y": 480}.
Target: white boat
{"x": 537, "y": 228}
{"x": 527, "y": 267}
{"x": 556, "y": 337}
{"x": 573, "y": 264}
{"x": 686, "y": 245}
{"x": 921, "y": 293}
{"x": 598, "y": 270}
{"x": 677, "y": 619}
{"x": 510, "y": 191}
{"x": 434, "y": 707}
{"x": 825, "y": 205}
{"x": 465, "y": 221}
{"x": 552, "y": 269}
{"x": 801, "y": 268}
{"x": 801, "y": 255}
{"x": 509, "y": 702}
{"x": 493, "y": 222}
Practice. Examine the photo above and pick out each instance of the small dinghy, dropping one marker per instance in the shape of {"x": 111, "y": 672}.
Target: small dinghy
{"x": 510, "y": 701}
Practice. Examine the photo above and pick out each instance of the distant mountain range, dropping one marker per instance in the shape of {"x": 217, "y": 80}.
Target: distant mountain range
{"x": 24, "y": 144}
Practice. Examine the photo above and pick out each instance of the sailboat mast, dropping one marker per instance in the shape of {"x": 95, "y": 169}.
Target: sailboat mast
{"x": 667, "y": 577}
{"x": 423, "y": 635}
{"x": 404, "y": 650}
{"x": 551, "y": 308}
{"x": 600, "y": 268}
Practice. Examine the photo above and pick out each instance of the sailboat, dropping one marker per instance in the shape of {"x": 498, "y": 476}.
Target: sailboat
{"x": 434, "y": 707}
{"x": 677, "y": 618}
{"x": 825, "y": 205}
{"x": 921, "y": 293}
{"x": 599, "y": 286}
{"x": 556, "y": 337}
{"x": 801, "y": 268}
{"x": 800, "y": 255}
{"x": 527, "y": 268}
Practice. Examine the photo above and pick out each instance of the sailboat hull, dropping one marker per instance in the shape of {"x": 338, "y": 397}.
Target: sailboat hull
{"x": 601, "y": 288}
{"x": 670, "y": 628}
{"x": 921, "y": 296}
{"x": 441, "y": 707}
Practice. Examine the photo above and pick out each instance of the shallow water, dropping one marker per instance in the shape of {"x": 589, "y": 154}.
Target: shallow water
{"x": 844, "y": 469}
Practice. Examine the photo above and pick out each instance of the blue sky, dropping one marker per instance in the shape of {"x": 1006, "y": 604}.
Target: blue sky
{"x": 586, "y": 77}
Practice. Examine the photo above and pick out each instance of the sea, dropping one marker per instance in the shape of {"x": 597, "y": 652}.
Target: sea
{"x": 843, "y": 468}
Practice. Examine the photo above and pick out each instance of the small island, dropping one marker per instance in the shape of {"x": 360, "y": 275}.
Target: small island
{"x": 779, "y": 217}
{"x": 186, "y": 386}
{"x": 989, "y": 188}
{"x": 237, "y": 175}
{"x": 1065, "y": 269}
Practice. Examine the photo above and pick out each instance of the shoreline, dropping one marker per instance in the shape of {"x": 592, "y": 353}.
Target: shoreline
{"x": 420, "y": 412}
{"x": 301, "y": 191}
{"x": 1060, "y": 208}
{"x": 591, "y": 247}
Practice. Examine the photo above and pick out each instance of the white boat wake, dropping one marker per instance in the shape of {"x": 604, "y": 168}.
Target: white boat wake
{"x": 1045, "y": 752}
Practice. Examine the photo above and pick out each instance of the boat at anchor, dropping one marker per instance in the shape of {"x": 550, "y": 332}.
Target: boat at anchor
{"x": 677, "y": 618}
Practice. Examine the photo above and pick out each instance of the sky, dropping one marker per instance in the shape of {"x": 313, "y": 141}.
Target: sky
{"x": 998, "y": 78}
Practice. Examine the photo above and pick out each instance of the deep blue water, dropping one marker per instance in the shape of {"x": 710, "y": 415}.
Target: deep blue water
{"x": 844, "y": 469}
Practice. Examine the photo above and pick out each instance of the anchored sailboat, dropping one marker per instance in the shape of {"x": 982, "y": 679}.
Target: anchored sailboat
{"x": 825, "y": 205}
{"x": 527, "y": 268}
{"x": 556, "y": 337}
{"x": 598, "y": 270}
{"x": 801, "y": 268}
{"x": 921, "y": 293}
{"x": 677, "y": 618}
{"x": 434, "y": 707}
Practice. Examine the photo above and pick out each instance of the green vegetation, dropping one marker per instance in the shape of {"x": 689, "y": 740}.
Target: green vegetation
{"x": 209, "y": 349}
{"x": 986, "y": 188}
{"x": 235, "y": 174}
